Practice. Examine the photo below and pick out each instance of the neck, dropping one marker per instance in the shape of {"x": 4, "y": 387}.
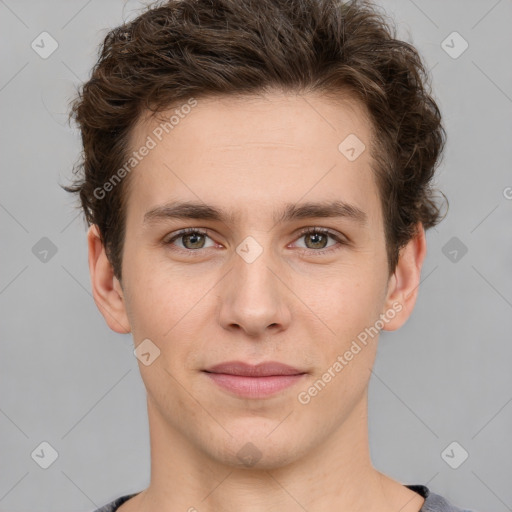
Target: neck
{"x": 335, "y": 476}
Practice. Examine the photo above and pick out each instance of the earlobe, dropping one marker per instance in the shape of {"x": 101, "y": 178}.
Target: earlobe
{"x": 106, "y": 290}
{"x": 404, "y": 283}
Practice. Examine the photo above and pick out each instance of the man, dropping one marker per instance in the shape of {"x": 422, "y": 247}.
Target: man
{"x": 257, "y": 180}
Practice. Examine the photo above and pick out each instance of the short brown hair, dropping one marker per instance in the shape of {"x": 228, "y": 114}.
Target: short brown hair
{"x": 183, "y": 48}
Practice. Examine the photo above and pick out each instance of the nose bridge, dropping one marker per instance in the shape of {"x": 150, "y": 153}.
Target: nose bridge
{"x": 251, "y": 269}
{"x": 254, "y": 298}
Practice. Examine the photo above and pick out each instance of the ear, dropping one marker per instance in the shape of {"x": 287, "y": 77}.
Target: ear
{"x": 106, "y": 288}
{"x": 404, "y": 284}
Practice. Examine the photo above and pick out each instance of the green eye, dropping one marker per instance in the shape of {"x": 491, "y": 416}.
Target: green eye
{"x": 194, "y": 239}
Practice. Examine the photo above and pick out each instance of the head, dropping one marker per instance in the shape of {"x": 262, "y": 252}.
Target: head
{"x": 260, "y": 110}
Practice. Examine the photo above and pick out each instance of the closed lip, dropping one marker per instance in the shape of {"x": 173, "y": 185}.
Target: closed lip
{"x": 265, "y": 369}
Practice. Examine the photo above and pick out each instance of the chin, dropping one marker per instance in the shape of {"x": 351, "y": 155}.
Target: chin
{"x": 257, "y": 448}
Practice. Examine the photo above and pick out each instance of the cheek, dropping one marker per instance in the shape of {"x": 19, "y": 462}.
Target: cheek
{"x": 149, "y": 299}
{"x": 171, "y": 308}
{"x": 157, "y": 289}
{"x": 345, "y": 301}
{"x": 350, "y": 308}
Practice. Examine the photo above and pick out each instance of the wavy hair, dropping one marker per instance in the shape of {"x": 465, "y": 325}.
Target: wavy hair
{"x": 178, "y": 49}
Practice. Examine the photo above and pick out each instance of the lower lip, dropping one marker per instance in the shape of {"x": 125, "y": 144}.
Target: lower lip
{"x": 254, "y": 387}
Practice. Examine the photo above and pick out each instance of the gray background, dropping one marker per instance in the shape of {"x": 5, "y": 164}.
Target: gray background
{"x": 68, "y": 380}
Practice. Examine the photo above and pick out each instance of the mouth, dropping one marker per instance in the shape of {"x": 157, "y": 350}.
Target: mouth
{"x": 265, "y": 369}
{"x": 254, "y": 381}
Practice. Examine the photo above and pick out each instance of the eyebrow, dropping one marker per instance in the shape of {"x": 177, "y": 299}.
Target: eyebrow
{"x": 290, "y": 212}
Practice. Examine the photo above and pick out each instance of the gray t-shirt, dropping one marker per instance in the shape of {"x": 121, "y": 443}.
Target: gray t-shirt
{"x": 433, "y": 502}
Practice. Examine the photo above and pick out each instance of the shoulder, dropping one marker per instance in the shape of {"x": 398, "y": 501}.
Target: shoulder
{"x": 114, "y": 505}
{"x": 436, "y": 503}
{"x": 433, "y": 503}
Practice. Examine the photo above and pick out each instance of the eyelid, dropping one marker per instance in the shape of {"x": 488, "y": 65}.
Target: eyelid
{"x": 318, "y": 229}
{"x": 171, "y": 237}
{"x": 341, "y": 239}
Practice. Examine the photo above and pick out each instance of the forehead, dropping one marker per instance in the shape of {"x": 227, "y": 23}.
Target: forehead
{"x": 238, "y": 152}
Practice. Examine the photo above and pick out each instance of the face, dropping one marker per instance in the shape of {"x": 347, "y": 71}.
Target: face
{"x": 248, "y": 283}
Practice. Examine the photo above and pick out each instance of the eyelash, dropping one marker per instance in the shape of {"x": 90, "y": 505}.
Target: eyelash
{"x": 306, "y": 231}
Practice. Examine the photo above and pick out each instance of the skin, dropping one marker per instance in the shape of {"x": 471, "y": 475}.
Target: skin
{"x": 250, "y": 156}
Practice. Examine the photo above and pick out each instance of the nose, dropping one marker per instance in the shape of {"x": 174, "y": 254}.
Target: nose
{"x": 254, "y": 298}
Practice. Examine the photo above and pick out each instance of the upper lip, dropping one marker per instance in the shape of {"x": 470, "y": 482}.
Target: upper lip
{"x": 264, "y": 369}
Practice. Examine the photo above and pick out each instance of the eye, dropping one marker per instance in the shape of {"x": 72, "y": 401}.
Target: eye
{"x": 317, "y": 239}
{"x": 192, "y": 239}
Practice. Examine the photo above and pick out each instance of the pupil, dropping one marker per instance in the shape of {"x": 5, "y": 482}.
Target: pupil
{"x": 317, "y": 235}
{"x": 194, "y": 237}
